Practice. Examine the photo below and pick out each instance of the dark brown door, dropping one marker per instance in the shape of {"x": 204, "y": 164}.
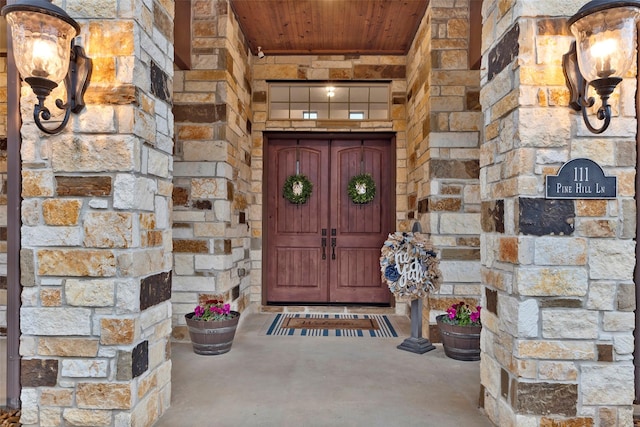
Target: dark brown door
{"x": 328, "y": 249}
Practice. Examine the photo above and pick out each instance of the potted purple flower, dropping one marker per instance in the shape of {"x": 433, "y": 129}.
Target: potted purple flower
{"x": 212, "y": 327}
{"x": 460, "y": 331}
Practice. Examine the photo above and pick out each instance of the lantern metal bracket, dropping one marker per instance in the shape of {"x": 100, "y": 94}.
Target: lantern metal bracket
{"x": 578, "y": 90}
{"x": 76, "y": 83}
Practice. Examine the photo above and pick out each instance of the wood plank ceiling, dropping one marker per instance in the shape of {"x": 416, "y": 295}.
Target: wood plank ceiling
{"x": 325, "y": 27}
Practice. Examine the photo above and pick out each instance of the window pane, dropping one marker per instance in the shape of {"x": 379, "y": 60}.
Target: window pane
{"x": 279, "y": 93}
{"x": 379, "y": 111}
{"x": 299, "y": 94}
{"x": 297, "y": 108}
{"x": 341, "y": 94}
{"x": 356, "y": 115}
{"x": 359, "y": 94}
{"x": 319, "y": 94}
{"x": 379, "y": 94}
{"x": 279, "y": 110}
{"x": 339, "y": 111}
{"x": 322, "y": 108}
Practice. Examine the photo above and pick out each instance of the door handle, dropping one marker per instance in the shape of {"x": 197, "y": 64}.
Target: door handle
{"x": 333, "y": 248}
{"x": 333, "y": 243}
{"x": 324, "y": 243}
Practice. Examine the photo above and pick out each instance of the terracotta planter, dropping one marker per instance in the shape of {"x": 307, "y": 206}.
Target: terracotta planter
{"x": 460, "y": 342}
{"x": 214, "y": 336}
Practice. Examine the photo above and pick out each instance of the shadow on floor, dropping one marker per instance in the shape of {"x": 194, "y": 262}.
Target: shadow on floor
{"x": 321, "y": 381}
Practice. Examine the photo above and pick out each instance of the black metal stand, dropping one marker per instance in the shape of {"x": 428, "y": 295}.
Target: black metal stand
{"x": 415, "y": 343}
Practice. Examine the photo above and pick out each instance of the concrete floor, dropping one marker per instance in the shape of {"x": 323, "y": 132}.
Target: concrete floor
{"x": 321, "y": 381}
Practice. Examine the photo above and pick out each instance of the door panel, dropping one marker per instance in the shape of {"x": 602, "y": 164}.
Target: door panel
{"x": 295, "y": 271}
{"x": 349, "y": 271}
{"x": 361, "y": 228}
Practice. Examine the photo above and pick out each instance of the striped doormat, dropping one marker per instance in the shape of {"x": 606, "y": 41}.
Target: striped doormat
{"x": 332, "y": 325}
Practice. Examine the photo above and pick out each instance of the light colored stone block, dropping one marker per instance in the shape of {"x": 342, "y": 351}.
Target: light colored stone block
{"x": 158, "y": 164}
{"x": 453, "y": 139}
{"x": 89, "y": 293}
{"x": 616, "y": 321}
{"x": 460, "y": 223}
{"x": 193, "y": 284}
{"x": 102, "y": 153}
{"x": 534, "y": 129}
{"x": 51, "y": 236}
{"x": 597, "y": 381}
{"x": 570, "y": 324}
{"x": 460, "y": 271}
{"x": 209, "y": 188}
{"x": 560, "y": 251}
{"x": 623, "y": 344}
{"x": 490, "y": 375}
{"x": 559, "y": 281}
{"x": 108, "y": 230}
{"x": 611, "y": 259}
{"x": 87, "y": 417}
{"x": 602, "y": 296}
{"x": 72, "y": 262}
{"x": 104, "y": 396}
{"x": 520, "y": 318}
{"x": 554, "y": 350}
{"x": 55, "y": 321}
{"x": 130, "y": 192}
{"x": 558, "y": 371}
{"x": 84, "y": 368}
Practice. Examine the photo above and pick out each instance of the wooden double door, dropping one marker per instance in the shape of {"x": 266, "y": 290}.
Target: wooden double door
{"x": 327, "y": 250}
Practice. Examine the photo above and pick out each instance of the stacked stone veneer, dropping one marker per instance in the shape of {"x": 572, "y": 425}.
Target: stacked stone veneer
{"x": 557, "y": 340}
{"x": 443, "y": 134}
{"x": 96, "y": 235}
{"x": 213, "y": 167}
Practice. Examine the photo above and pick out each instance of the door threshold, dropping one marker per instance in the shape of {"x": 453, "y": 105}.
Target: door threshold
{"x": 399, "y": 309}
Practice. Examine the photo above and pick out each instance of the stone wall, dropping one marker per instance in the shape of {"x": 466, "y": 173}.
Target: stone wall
{"x": 443, "y": 134}
{"x": 559, "y": 297}
{"x": 96, "y": 234}
{"x": 335, "y": 68}
{"x": 213, "y": 166}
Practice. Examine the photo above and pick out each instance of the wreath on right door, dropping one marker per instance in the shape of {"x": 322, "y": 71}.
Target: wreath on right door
{"x": 361, "y": 188}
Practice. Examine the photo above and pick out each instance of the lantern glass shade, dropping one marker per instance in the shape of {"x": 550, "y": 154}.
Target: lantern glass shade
{"x": 606, "y": 42}
{"x": 41, "y": 44}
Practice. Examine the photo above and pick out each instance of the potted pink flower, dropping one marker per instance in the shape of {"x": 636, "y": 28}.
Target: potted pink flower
{"x": 212, "y": 327}
{"x": 460, "y": 330}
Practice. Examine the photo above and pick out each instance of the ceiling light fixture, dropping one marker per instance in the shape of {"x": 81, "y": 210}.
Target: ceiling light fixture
{"x": 260, "y": 52}
{"x": 605, "y": 32}
{"x": 42, "y": 37}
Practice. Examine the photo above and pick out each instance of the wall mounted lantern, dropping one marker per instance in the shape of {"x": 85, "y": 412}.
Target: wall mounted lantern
{"x": 45, "y": 54}
{"x": 605, "y": 32}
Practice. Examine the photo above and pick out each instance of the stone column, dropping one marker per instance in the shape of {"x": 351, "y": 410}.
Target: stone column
{"x": 213, "y": 166}
{"x": 443, "y": 147}
{"x": 557, "y": 274}
{"x": 96, "y": 234}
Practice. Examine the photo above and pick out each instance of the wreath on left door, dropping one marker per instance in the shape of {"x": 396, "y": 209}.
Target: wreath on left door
{"x": 297, "y": 189}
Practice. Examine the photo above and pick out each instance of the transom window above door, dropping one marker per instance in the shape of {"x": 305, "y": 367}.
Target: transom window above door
{"x": 329, "y": 101}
